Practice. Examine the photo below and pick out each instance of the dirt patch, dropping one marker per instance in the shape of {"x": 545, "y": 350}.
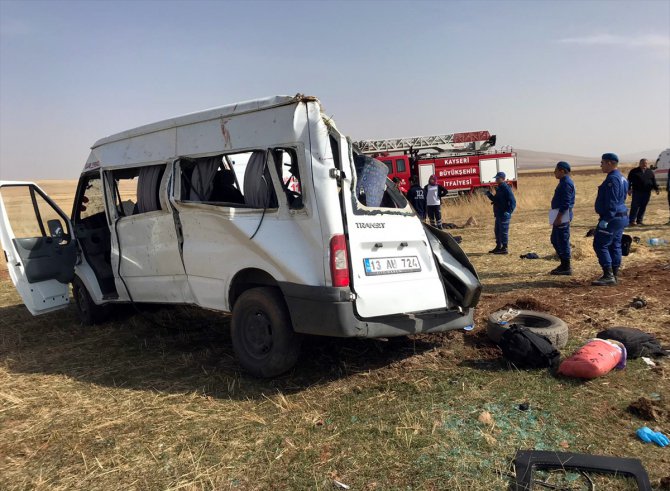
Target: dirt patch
{"x": 646, "y": 409}
{"x": 527, "y": 303}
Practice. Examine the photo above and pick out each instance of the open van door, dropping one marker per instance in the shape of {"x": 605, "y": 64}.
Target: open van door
{"x": 39, "y": 246}
{"x": 392, "y": 266}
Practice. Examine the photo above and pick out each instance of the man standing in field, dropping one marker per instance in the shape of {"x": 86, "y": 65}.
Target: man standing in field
{"x": 416, "y": 198}
{"x": 563, "y": 201}
{"x": 641, "y": 181}
{"x": 504, "y": 204}
{"x": 613, "y": 218}
{"x": 433, "y": 193}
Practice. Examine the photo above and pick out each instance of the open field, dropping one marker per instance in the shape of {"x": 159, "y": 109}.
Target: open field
{"x": 127, "y": 405}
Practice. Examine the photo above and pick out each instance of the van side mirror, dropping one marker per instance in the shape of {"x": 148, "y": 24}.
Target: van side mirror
{"x": 55, "y": 229}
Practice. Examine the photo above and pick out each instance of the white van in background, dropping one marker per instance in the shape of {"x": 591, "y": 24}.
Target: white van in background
{"x": 662, "y": 167}
{"x": 261, "y": 209}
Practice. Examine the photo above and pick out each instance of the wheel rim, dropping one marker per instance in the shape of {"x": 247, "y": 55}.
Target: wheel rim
{"x": 257, "y": 334}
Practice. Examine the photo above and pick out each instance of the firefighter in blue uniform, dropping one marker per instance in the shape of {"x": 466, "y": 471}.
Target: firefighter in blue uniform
{"x": 504, "y": 204}
{"x": 564, "y": 202}
{"x": 613, "y": 218}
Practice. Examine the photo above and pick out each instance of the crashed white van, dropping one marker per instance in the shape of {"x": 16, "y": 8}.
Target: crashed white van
{"x": 262, "y": 209}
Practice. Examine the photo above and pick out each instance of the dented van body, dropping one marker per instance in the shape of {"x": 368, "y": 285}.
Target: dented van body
{"x": 262, "y": 209}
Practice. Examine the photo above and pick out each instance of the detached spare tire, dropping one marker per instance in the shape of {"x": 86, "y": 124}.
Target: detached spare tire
{"x": 550, "y": 326}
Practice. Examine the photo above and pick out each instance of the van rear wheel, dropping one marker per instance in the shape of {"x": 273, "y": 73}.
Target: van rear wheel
{"x": 262, "y": 334}
{"x": 89, "y": 312}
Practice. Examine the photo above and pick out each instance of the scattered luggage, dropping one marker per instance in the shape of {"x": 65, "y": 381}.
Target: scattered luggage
{"x": 595, "y": 359}
{"x": 526, "y": 349}
{"x": 638, "y": 343}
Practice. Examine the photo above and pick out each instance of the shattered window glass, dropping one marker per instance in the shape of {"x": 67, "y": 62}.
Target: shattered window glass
{"x": 373, "y": 188}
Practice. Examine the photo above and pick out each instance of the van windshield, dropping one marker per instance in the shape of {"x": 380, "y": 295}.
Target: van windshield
{"x": 373, "y": 188}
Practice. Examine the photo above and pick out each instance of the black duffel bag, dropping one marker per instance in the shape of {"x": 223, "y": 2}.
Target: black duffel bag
{"x": 638, "y": 343}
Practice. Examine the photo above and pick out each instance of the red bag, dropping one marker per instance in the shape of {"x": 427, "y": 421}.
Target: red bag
{"x": 597, "y": 357}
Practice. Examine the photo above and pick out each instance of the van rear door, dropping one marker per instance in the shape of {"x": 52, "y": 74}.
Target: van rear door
{"x": 39, "y": 246}
{"x": 392, "y": 265}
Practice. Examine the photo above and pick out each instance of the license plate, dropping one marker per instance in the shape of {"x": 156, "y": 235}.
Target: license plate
{"x": 391, "y": 265}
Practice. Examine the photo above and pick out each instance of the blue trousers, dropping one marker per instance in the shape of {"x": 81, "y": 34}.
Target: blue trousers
{"x": 638, "y": 206}
{"x": 501, "y": 229}
{"x": 560, "y": 239}
{"x": 607, "y": 242}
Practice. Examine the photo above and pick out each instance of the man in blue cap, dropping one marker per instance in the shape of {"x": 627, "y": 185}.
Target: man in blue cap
{"x": 613, "y": 218}
{"x": 563, "y": 202}
{"x": 503, "y": 207}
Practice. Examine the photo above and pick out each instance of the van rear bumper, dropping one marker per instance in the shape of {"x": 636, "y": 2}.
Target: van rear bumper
{"x": 328, "y": 311}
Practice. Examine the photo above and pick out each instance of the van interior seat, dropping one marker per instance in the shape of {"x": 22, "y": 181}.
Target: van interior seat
{"x": 224, "y": 190}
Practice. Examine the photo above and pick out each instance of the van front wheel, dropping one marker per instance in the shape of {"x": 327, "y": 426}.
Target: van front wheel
{"x": 262, "y": 335}
{"x": 89, "y": 312}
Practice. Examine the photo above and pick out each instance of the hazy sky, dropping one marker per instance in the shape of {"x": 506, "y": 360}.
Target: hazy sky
{"x": 575, "y": 77}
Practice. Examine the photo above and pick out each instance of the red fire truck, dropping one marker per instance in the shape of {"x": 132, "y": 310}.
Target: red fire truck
{"x": 462, "y": 162}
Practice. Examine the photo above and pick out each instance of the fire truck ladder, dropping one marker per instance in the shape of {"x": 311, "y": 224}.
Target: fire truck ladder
{"x": 474, "y": 141}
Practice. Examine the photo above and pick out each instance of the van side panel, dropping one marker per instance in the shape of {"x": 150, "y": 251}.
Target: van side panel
{"x": 217, "y": 239}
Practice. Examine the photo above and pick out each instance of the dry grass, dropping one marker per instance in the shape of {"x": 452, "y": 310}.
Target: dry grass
{"x": 127, "y": 405}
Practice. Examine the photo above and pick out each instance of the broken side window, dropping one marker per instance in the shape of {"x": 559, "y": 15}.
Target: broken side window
{"x": 288, "y": 169}
{"x": 373, "y": 188}
{"x": 137, "y": 190}
{"x": 91, "y": 200}
{"x": 233, "y": 180}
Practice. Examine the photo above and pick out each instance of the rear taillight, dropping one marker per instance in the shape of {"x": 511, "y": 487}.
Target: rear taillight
{"x": 339, "y": 264}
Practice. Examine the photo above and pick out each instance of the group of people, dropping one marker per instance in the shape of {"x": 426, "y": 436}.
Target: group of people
{"x": 610, "y": 205}
{"x": 613, "y": 216}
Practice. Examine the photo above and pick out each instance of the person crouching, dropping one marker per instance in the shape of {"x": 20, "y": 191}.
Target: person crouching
{"x": 562, "y": 203}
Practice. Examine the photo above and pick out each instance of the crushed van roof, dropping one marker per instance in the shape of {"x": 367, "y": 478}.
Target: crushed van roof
{"x": 207, "y": 114}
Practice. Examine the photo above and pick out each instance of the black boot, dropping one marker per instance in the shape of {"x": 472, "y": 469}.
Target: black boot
{"x": 502, "y": 250}
{"x": 564, "y": 269}
{"x": 606, "y": 279}
{"x": 495, "y": 251}
{"x": 615, "y": 272}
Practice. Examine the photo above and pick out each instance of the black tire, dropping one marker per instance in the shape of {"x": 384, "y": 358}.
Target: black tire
{"x": 89, "y": 312}
{"x": 550, "y": 326}
{"x": 262, "y": 334}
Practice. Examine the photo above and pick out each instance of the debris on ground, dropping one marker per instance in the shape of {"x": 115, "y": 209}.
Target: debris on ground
{"x": 526, "y": 349}
{"x": 485, "y": 418}
{"x": 638, "y": 343}
{"x": 341, "y": 485}
{"x": 648, "y": 435}
{"x": 646, "y": 409}
{"x": 527, "y": 461}
{"x": 649, "y": 361}
{"x": 638, "y": 302}
{"x": 529, "y": 255}
{"x": 527, "y": 303}
{"x": 470, "y": 222}
{"x": 595, "y": 359}
{"x": 524, "y": 406}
